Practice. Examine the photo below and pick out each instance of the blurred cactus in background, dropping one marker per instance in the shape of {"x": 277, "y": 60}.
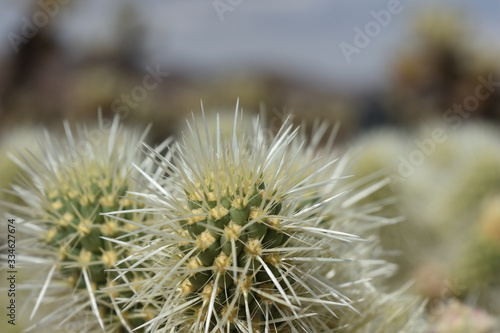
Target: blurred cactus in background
{"x": 19, "y": 138}
{"x": 465, "y": 172}
{"x": 378, "y": 157}
{"x": 478, "y": 265}
{"x": 448, "y": 241}
{"x": 457, "y": 318}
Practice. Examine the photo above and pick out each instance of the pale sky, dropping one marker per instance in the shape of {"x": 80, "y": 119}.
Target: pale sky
{"x": 300, "y": 38}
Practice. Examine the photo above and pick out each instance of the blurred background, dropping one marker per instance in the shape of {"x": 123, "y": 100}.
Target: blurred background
{"x": 367, "y": 63}
{"x": 390, "y": 71}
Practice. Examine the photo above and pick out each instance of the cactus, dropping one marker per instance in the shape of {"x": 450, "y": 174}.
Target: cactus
{"x": 454, "y": 316}
{"x": 257, "y": 235}
{"x": 23, "y": 136}
{"x": 65, "y": 190}
{"x": 477, "y": 268}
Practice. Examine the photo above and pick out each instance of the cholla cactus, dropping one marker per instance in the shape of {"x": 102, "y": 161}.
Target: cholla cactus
{"x": 478, "y": 266}
{"x": 464, "y": 172}
{"x": 19, "y": 137}
{"x": 397, "y": 311}
{"x": 258, "y": 235}
{"x": 458, "y": 318}
{"x": 379, "y": 155}
{"x": 467, "y": 175}
{"x": 65, "y": 190}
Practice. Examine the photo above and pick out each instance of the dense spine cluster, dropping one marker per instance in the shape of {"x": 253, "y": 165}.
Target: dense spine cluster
{"x": 237, "y": 237}
{"x": 256, "y": 235}
{"x": 240, "y": 233}
{"x": 77, "y": 232}
{"x": 70, "y": 236}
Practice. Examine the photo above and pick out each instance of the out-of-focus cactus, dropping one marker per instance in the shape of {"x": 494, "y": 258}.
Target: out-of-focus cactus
{"x": 17, "y": 138}
{"x": 478, "y": 267}
{"x": 458, "y": 318}
{"x": 379, "y": 155}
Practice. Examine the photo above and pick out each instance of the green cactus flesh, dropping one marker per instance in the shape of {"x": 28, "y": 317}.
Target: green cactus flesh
{"x": 75, "y": 230}
{"x": 230, "y": 248}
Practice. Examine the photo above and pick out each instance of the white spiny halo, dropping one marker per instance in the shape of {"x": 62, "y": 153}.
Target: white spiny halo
{"x": 64, "y": 190}
{"x": 259, "y": 234}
